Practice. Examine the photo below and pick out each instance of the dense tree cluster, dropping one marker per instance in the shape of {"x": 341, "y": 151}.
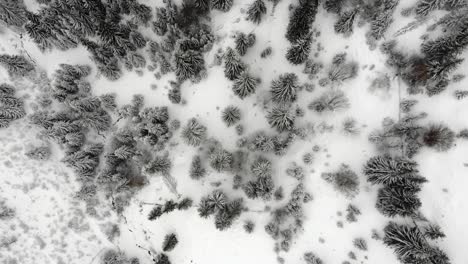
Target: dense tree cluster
{"x": 225, "y": 211}
{"x": 298, "y": 53}
{"x": 11, "y": 107}
{"x": 13, "y": 12}
{"x": 301, "y": 20}
{"x": 262, "y": 186}
{"x": 244, "y": 85}
{"x": 16, "y": 65}
{"x": 194, "y": 132}
{"x": 243, "y": 42}
{"x": 401, "y": 180}
{"x": 410, "y": 245}
{"x": 233, "y": 66}
{"x": 256, "y": 11}
{"x": 169, "y": 206}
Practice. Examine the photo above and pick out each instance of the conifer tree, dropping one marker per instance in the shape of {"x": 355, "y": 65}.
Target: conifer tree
{"x": 222, "y": 5}
{"x": 170, "y": 241}
{"x": 233, "y": 66}
{"x": 256, "y": 10}
{"x": 16, "y": 65}
{"x": 244, "y": 85}
{"x": 243, "y": 42}
{"x": 197, "y": 170}
{"x": 231, "y": 115}
{"x": 301, "y": 20}
{"x": 299, "y": 52}
{"x": 284, "y": 88}
{"x": 344, "y": 25}
{"x": 188, "y": 64}
{"x": 194, "y": 132}
{"x": 394, "y": 201}
{"x": 281, "y": 118}
{"x": 13, "y": 12}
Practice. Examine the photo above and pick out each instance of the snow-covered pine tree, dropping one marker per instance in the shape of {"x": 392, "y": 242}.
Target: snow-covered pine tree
{"x": 256, "y": 11}
{"x": 16, "y": 65}
{"x": 222, "y": 5}
{"x": 298, "y": 53}
{"x": 284, "y": 88}
{"x": 233, "y": 66}
{"x": 281, "y": 118}
{"x": 301, "y": 20}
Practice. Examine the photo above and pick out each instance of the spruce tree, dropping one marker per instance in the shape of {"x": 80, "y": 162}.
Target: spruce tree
{"x": 281, "y": 118}
{"x": 16, "y": 65}
{"x": 344, "y": 25}
{"x": 170, "y": 241}
{"x": 284, "y": 88}
{"x": 243, "y": 42}
{"x": 299, "y": 52}
{"x": 233, "y": 66}
{"x": 13, "y": 12}
{"x": 194, "y": 132}
{"x": 301, "y": 20}
{"x": 256, "y": 10}
{"x": 439, "y": 137}
{"x": 231, "y": 115}
{"x": 395, "y": 201}
{"x": 197, "y": 170}
{"x": 222, "y": 5}
{"x": 244, "y": 85}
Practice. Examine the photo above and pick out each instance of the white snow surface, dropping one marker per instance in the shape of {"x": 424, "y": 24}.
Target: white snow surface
{"x": 52, "y": 227}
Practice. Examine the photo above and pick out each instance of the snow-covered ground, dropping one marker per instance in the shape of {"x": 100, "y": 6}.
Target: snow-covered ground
{"x": 52, "y": 227}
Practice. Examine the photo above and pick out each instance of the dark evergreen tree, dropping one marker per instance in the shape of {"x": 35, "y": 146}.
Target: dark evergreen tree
{"x": 231, "y": 115}
{"x": 185, "y": 204}
{"x": 155, "y": 213}
{"x": 203, "y": 5}
{"x": 333, "y": 6}
{"x": 16, "y": 65}
{"x": 284, "y": 88}
{"x": 433, "y": 231}
{"x": 170, "y": 241}
{"x": 299, "y": 52}
{"x": 233, "y": 66}
{"x": 11, "y": 108}
{"x": 410, "y": 246}
{"x": 344, "y": 25}
{"x": 392, "y": 171}
{"x": 243, "y": 42}
{"x": 221, "y": 160}
{"x": 159, "y": 164}
{"x": 205, "y": 208}
{"x": 188, "y": 64}
{"x": 222, "y": 5}
{"x": 13, "y": 12}
{"x": 197, "y": 170}
{"x": 256, "y": 10}
{"x": 301, "y": 20}
{"x": 244, "y": 85}
{"x": 194, "y": 132}
{"x": 393, "y": 201}
{"x": 438, "y": 137}
{"x": 281, "y": 118}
